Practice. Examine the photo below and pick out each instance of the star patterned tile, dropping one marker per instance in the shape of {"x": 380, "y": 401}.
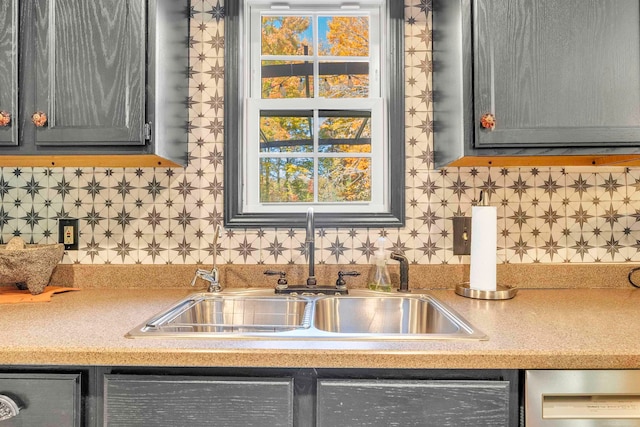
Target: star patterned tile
{"x": 168, "y": 216}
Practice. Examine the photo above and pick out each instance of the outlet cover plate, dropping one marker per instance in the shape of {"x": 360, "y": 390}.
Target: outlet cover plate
{"x": 63, "y": 224}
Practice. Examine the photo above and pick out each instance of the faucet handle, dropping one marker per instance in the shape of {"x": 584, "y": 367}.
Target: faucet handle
{"x": 282, "y": 281}
{"x": 200, "y": 273}
{"x": 341, "y": 283}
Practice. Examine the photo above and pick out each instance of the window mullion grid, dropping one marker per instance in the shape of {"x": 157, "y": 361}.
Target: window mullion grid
{"x": 316, "y": 145}
{"x": 317, "y": 103}
{"x": 314, "y": 58}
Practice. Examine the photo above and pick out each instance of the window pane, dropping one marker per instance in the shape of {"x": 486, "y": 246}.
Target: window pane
{"x": 286, "y": 134}
{"x": 344, "y": 179}
{"x": 344, "y": 79}
{"x": 287, "y": 35}
{"x": 341, "y": 132}
{"x": 343, "y": 35}
{"x": 286, "y": 179}
{"x": 287, "y": 79}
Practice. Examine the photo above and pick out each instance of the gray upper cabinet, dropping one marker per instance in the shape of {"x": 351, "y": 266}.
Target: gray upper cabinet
{"x": 8, "y": 72}
{"x": 556, "y": 77}
{"x": 92, "y": 73}
{"x": 84, "y": 67}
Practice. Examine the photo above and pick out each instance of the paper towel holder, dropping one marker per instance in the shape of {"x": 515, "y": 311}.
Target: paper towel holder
{"x": 501, "y": 292}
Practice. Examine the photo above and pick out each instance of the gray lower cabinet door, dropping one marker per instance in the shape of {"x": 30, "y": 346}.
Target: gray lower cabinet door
{"x": 44, "y": 400}
{"x": 406, "y": 403}
{"x": 146, "y": 400}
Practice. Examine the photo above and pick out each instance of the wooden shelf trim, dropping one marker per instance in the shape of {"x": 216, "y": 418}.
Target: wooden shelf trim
{"x": 105, "y": 161}
{"x": 513, "y": 161}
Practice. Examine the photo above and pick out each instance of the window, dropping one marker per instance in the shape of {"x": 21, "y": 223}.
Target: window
{"x": 314, "y": 113}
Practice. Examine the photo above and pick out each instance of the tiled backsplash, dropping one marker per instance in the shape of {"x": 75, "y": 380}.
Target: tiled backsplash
{"x": 160, "y": 216}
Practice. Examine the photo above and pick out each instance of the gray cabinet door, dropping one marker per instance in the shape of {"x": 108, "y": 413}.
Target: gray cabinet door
{"x": 406, "y": 403}
{"x": 45, "y": 399}
{"x": 111, "y": 77}
{"x": 84, "y": 67}
{"x": 141, "y": 400}
{"x": 560, "y": 78}
{"x": 557, "y": 73}
{"x": 9, "y": 71}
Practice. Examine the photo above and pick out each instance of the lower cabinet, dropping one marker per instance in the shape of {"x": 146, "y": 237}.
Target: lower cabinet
{"x": 139, "y": 400}
{"x": 129, "y": 396}
{"x": 404, "y": 403}
{"x": 40, "y": 399}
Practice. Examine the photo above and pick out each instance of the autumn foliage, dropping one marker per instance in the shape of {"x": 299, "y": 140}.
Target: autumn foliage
{"x": 340, "y": 162}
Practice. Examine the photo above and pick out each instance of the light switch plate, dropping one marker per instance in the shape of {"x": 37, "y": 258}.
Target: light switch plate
{"x": 461, "y": 235}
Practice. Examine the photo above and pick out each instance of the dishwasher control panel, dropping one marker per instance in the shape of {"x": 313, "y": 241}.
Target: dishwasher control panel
{"x": 582, "y": 398}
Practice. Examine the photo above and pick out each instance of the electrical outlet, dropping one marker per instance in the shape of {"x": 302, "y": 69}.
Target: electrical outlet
{"x": 68, "y": 233}
{"x": 461, "y": 235}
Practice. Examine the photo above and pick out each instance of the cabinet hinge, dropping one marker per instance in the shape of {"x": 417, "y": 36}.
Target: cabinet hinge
{"x": 147, "y": 131}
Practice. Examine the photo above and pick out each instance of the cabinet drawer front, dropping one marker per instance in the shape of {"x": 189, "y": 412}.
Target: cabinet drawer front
{"x": 137, "y": 400}
{"x": 44, "y": 399}
{"x": 413, "y": 403}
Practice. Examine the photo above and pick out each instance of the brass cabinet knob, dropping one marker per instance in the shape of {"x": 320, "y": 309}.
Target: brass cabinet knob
{"x": 5, "y": 118}
{"x": 8, "y": 407}
{"x": 488, "y": 121}
{"x": 39, "y": 119}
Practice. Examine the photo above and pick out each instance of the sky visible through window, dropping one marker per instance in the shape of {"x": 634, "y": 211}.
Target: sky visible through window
{"x": 323, "y": 30}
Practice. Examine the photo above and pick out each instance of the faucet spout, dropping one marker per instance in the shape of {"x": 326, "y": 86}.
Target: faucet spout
{"x": 311, "y": 247}
{"x": 211, "y": 276}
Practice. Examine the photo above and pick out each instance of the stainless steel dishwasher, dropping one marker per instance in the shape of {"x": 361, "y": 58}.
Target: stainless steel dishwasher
{"x": 582, "y": 398}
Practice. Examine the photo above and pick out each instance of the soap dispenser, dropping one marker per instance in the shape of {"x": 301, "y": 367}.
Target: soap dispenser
{"x": 379, "y": 279}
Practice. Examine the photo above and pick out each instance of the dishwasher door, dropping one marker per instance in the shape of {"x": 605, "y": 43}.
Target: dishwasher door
{"x": 582, "y": 398}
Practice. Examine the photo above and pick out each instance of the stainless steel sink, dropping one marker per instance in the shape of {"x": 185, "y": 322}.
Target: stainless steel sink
{"x": 363, "y": 315}
{"x": 383, "y": 315}
{"x": 214, "y": 313}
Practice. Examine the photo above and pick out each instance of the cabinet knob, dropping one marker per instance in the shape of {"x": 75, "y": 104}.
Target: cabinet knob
{"x": 39, "y": 119}
{"x": 5, "y": 118}
{"x": 8, "y": 407}
{"x": 488, "y": 121}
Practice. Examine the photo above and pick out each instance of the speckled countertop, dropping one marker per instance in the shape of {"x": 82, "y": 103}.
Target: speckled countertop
{"x": 539, "y": 328}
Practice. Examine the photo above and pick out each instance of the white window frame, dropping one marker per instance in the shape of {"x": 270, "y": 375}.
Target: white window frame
{"x": 251, "y": 62}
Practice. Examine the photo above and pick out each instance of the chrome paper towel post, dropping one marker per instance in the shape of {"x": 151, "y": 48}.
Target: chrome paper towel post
{"x": 484, "y": 247}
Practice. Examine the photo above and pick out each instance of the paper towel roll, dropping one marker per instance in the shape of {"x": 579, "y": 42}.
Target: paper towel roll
{"x": 484, "y": 243}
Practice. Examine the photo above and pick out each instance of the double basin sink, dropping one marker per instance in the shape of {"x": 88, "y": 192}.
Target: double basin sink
{"x": 259, "y": 313}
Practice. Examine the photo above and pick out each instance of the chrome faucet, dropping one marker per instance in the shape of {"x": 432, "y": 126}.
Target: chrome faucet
{"x": 311, "y": 247}
{"x": 213, "y": 276}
